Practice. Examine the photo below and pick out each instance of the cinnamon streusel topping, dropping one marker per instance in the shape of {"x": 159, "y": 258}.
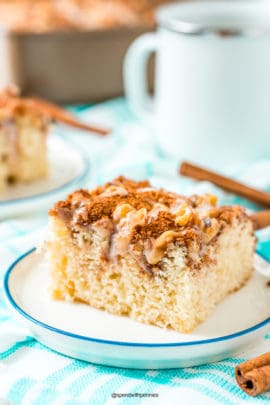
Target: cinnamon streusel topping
{"x": 148, "y": 221}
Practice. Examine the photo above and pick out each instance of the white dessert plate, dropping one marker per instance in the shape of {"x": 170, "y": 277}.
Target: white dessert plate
{"x": 79, "y": 331}
{"x": 67, "y": 167}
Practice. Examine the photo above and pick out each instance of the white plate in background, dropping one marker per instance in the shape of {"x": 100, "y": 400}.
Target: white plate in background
{"x": 67, "y": 168}
{"x": 85, "y": 333}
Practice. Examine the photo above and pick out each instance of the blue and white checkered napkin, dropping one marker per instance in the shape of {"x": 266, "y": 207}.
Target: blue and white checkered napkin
{"x": 31, "y": 374}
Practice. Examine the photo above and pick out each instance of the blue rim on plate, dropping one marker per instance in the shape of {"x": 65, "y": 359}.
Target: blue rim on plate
{"x": 114, "y": 342}
{"x": 66, "y": 185}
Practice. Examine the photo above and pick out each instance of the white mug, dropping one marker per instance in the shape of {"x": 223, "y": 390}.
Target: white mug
{"x": 212, "y": 86}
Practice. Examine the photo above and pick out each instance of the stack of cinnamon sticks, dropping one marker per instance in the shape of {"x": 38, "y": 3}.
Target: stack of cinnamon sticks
{"x": 253, "y": 376}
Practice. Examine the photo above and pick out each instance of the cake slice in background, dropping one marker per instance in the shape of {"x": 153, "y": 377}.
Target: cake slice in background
{"x": 24, "y": 126}
{"x": 23, "y": 133}
{"x": 155, "y": 256}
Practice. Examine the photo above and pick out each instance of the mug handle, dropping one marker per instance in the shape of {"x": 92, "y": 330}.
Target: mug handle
{"x": 135, "y": 64}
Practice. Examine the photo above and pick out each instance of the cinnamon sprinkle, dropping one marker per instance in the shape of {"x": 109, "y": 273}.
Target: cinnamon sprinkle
{"x": 147, "y": 223}
{"x": 155, "y": 227}
{"x": 140, "y": 195}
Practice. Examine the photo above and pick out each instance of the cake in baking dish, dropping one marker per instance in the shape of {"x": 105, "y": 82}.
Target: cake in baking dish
{"x": 76, "y": 15}
{"x": 152, "y": 255}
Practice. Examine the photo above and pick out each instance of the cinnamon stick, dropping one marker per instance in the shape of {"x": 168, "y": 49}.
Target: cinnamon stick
{"x": 250, "y": 193}
{"x": 59, "y": 114}
{"x": 10, "y": 100}
{"x": 253, "y": 376}
{"x": 261, "y": 219}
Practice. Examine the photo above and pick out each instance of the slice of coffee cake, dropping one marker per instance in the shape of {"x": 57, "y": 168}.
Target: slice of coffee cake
{"x": 24, "y": 125}
{"x": 23, "y": 133}
{"x": 155, "y": 256}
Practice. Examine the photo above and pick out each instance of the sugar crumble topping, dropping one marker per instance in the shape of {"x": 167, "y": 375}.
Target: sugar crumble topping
{"x": 146, "y": 220}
